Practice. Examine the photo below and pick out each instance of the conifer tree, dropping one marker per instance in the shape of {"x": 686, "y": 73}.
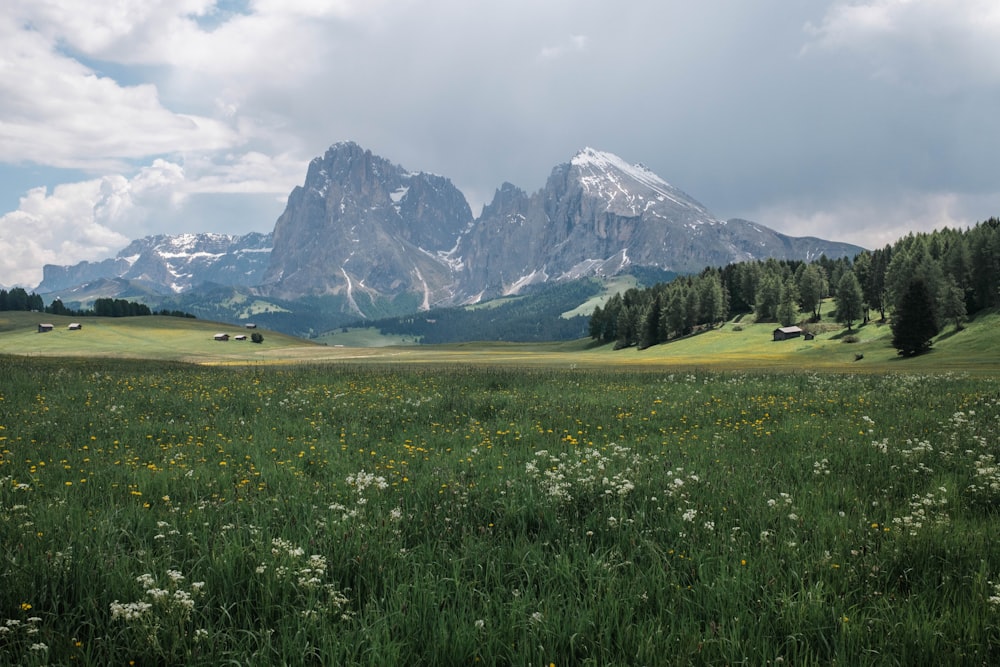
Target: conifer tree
{"x": 913, "y": 322}
{"x": 952, "y": 300}
{"x": 850, "y": 305}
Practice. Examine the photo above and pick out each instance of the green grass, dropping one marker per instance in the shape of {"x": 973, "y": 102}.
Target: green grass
{"x": 363, "y": 337}
{"x": 153, "y": 337}
{"x": 474, "y": 514}
{"x": 614, "y": 285}
{"x": 734, "y": 346}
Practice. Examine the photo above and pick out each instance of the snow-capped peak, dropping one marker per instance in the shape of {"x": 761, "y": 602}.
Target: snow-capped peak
{"x": 603, "y": 174}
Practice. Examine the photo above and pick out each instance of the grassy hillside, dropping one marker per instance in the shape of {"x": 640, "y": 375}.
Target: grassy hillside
{"x": 735, "y": 346}
{"x": 152, "y": 337}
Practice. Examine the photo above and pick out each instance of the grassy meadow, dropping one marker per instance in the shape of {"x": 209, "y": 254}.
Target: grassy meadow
{"x": 160, "y": 513}
{"x": 736, "y": 346}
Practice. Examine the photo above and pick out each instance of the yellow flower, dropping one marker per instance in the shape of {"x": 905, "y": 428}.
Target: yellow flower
{"x": 25, "y": 606}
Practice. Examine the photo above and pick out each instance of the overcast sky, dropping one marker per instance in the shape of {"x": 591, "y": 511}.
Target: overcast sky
{"x": 853, "y": 121}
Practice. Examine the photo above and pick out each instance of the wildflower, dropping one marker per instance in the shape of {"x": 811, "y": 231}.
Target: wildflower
{"x": 129, "y": 611}
{"x": 536, "y": 617}
{"x": 480, "y": 624}
{"x": 689, "y": 515}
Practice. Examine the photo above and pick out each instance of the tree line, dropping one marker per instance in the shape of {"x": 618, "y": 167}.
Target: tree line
{"x": 924, "y": 280}
{"x": 20, "y": 299}
{"x": 533, "y": 316}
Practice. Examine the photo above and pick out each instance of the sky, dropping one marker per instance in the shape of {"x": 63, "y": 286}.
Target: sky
{"x": 857, "y": 121}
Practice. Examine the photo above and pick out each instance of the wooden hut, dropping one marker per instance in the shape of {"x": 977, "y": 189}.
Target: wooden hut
{"x": 784, "y": 333}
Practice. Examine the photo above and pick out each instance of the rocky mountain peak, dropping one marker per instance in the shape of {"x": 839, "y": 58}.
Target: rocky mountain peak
{"x": 369, "y": 237}
{"x": 629, "y": 189}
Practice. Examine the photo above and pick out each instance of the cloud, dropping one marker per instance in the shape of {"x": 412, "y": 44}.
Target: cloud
{"x": 57, "y": 112}
{"x": 211, "y": 110}
{"x": 575, "y": 43}
{"x": 93, "y": 219}
{"x": 74, "y": 222}
{"x": 873, "y": 222}
{"x": 938, "y": 45}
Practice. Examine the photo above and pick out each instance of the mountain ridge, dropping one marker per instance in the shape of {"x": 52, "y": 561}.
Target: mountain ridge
{"x": 367, "y": 237}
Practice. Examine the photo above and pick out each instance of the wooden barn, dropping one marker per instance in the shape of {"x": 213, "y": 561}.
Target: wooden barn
{"x": 42, "y": 328}
{"x": 222, "y": 336}
{"x": 784, "y": 333}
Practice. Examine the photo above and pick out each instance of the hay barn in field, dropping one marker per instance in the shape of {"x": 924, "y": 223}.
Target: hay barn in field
{"x": 784, "y": 333}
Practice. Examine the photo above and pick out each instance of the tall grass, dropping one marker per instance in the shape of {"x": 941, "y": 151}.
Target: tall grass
{"x": 167, "y": 514}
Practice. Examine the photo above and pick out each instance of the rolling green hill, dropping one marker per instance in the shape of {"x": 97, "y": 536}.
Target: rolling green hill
{"x": 735, "y": 346}
{"x": 151, "y": 337}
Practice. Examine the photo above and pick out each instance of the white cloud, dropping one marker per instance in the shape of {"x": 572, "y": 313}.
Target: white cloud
{"x": 57, "y": 112}
{"x": 878, "y": 221}
{"x": 938, "y": 45}
{"x": 74, "y": 222}
{"x": 93, "y": 219}
{"x": 574, "y": 43}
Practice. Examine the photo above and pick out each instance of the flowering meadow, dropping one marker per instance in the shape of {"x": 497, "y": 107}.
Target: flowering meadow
{"x": 162, "y": 514}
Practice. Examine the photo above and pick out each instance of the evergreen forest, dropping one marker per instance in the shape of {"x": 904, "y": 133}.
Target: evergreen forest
{"x": 921, "y": 284}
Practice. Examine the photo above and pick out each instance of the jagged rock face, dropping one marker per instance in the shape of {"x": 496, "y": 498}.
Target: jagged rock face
{"x": 177, "y": 263}
{"x": 361, "y": 223}
{"x": 373, "y": 233}
{"x": 597, "y": 215}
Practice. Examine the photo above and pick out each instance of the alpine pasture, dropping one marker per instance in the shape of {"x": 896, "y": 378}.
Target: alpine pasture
{"x": 286, "y": 503}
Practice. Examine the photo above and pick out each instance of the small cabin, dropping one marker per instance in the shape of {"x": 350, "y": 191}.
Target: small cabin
{"x": 808, "y": 335}
{"x": 784, "y": 333}
{"x": 74, "y": 326}
{"x": 222, "y": 336}
{"x": 42, "y": 328}
{"x": 240, "y": 337}
{"x": 251, "y": 325}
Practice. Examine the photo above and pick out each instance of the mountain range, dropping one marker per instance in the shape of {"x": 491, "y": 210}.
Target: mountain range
{"x": 363, "y": 237}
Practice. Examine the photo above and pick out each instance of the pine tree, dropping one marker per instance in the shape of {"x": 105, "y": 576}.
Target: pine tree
{"x": 913, "y": 321}
{"x": 812, "y": 286}
{"x": 649, "y": 334}
{"x": 850, "y": 303}
{"x": 787, "y": 311}
{"x": 952, "y": 300}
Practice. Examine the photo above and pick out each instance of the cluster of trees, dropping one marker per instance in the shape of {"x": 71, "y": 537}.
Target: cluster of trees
{"x": 107, "y": 307}
{"x": 645, "y": 317}
{"x": 19, "y": 299}
{"x": 535, "y": 316}
{"x": 924, "y": 280}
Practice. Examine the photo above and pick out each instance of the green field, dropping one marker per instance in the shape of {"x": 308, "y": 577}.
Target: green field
{"x": 724, "y": 499}
{"x": 153, "y": 337}
{"x": 734, "y": 346}
{"x": 163, "y": 513}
